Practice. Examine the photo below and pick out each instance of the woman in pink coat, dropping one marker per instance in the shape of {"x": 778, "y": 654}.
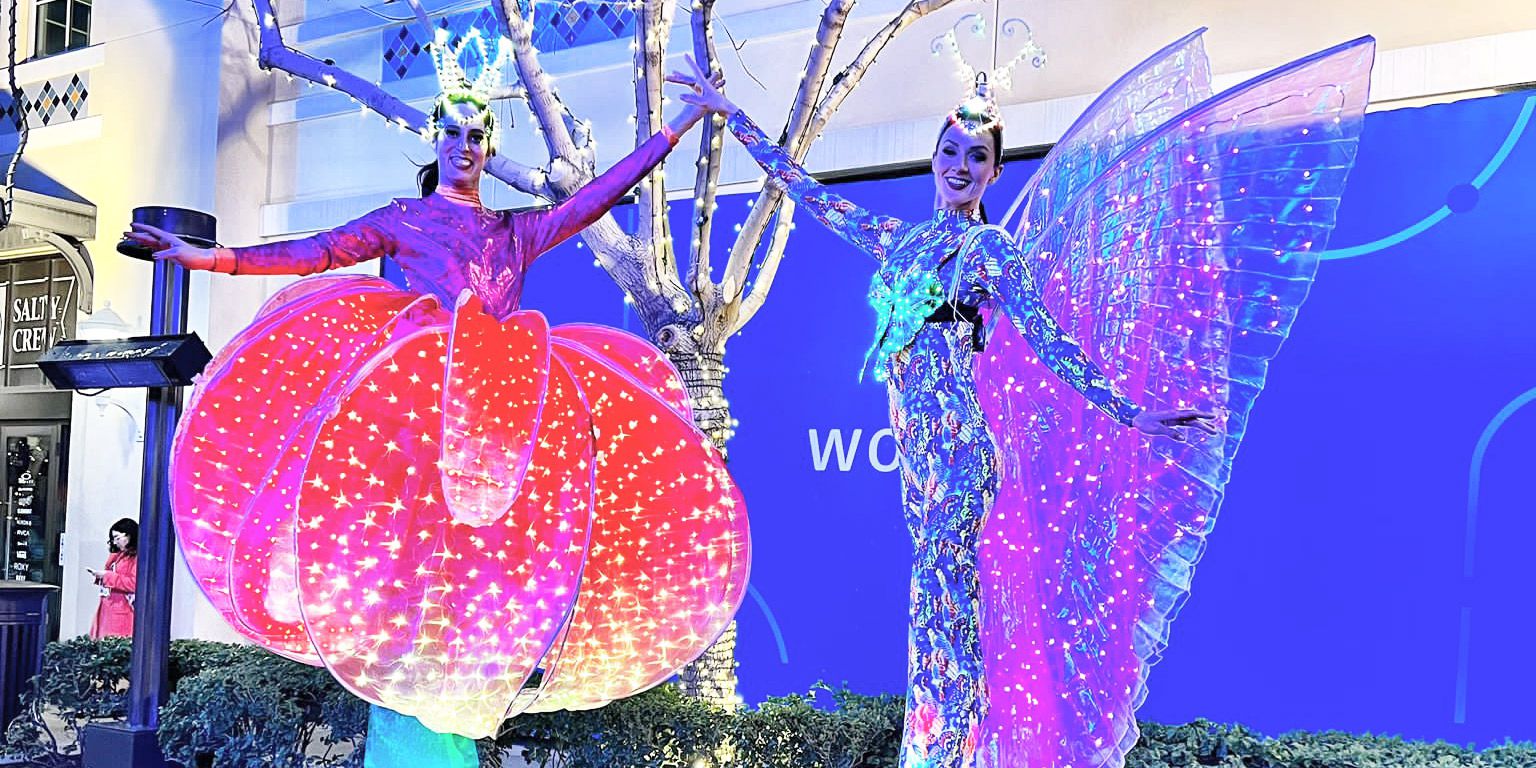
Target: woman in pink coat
{"x": 117, "y": 579}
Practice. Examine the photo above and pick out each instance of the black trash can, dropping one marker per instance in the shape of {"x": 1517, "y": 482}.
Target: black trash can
{"x": 23, "y": 633}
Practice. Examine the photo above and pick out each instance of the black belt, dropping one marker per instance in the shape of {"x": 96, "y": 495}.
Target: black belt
{"x": 949, "y": 312}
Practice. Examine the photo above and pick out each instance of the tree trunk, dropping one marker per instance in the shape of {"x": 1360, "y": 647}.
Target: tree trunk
{"x": 704, "y": 376}
{"x": 712, "y": 677}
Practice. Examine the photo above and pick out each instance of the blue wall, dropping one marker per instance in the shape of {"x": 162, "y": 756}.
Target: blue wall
{"x": 1339, "y": 590}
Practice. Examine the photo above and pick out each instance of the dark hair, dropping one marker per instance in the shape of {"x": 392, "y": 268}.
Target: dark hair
{"x": 130, "y": 527}
{"x": 426, "y": 178}
{"x": 995, "y": 130}
{"x": 427, "y": 175}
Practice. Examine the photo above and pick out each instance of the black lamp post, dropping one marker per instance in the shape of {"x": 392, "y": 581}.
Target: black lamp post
{"x": 133, "y": 743}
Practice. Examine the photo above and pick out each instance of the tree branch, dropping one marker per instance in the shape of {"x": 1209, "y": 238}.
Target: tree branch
{"x": 622, "y": 256}
{"x": 626, "y": 259}
{"x": 828, "y": 35}
{"x": 275, "y": 54}
{"x": 805, "y": 126}
{"x": 651, "y": 36}
{"x": 708, "y": 174}
{"x": 549, "y": 112}
{"x": 844, "y": 82}
{"x": 753, "y": 300}
{"x": 794, "y": 141}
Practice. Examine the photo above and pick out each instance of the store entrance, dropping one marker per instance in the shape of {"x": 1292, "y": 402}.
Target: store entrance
{"x": 35, "y": 468}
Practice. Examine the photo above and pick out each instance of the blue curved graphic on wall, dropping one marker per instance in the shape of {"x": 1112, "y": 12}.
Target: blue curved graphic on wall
{"x": 1469, "y": 556}
{"x": 773, "y": 624}
{"x": 1459, "y": 199}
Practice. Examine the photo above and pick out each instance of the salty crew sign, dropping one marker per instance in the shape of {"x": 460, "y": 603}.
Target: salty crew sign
{"x": 39, "y": 301}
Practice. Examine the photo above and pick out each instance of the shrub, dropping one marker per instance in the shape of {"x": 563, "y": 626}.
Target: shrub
{"x": 239, "y": 706}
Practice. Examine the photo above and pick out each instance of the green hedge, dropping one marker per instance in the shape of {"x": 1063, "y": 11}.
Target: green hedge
{"x": 237, "y": 706}
{"x": 231, "y": 705}
{"x": 661, "y": 727}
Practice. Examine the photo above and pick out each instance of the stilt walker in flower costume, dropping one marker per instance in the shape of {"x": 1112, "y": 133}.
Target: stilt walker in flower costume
{"x": 433, "y": 493}
{"x": 1166, "y": 244}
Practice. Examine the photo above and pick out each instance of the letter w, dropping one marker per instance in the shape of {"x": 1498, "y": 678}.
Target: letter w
{"x": 821, "y": 454}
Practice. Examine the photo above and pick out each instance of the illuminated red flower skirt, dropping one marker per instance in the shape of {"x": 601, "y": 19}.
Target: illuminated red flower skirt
{"x": 435, "y": 505}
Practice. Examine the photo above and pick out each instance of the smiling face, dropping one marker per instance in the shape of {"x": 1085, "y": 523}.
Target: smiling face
{"x": 463, "y": 145}
{"x": 964, "y": 165}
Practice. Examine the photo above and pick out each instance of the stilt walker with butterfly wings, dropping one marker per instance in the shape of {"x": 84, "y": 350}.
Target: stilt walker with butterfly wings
{"x": 1164, "y": 248}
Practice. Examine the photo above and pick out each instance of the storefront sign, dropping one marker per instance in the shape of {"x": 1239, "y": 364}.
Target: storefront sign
{"x": 39, "y": 298}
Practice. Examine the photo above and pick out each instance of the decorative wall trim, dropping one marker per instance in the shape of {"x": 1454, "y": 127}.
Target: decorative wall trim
{"x": 61, "y": 99}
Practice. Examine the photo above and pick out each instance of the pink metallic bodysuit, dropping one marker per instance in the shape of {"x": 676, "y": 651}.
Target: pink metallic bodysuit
{"x": 445, "y": 247}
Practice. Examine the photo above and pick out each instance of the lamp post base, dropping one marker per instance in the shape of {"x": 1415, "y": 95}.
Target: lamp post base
{"x": 120, "y": 745}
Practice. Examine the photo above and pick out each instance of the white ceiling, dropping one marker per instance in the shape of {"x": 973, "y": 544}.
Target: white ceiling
{"x": 1089, "y": 42}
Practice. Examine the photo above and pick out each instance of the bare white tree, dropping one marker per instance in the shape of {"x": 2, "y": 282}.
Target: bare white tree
{"x": 687, "y": 313}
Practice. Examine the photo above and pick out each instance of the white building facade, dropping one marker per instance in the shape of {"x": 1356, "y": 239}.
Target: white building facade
{"x": 160, "y": 102}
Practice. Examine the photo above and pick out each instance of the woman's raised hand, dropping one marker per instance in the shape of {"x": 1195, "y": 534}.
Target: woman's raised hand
{"x": 707, "y": 91}
{"x": 167, "y": 246}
